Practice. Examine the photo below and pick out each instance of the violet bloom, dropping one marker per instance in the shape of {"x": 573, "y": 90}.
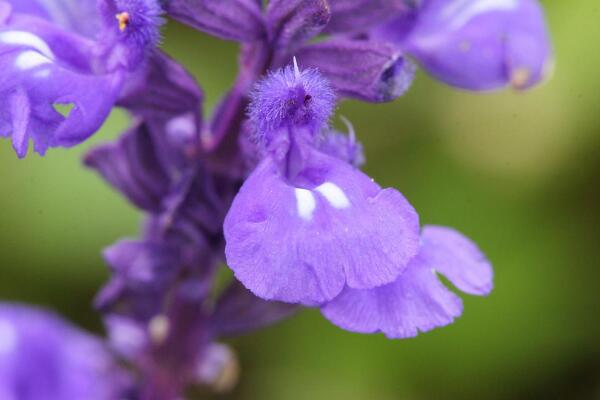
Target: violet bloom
{"x": 307, "y": 227}
{"x": 65, "y": 65}
{"x": 44, "y": 357}
{"x": 305, "y": 224}
{"x": 475, "y": 44}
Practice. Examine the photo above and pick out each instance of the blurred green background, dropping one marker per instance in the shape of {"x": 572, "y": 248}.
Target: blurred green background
{"x": 518, "y": 173}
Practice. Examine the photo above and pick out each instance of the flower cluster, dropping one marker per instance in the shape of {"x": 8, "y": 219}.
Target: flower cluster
{"x": 266, "y": 185}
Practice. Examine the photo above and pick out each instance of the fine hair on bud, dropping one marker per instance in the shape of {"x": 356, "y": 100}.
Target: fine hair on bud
{"x": 291, "y": 98}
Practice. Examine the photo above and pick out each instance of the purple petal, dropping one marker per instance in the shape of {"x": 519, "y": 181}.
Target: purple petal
{"x": 366, "y": 70}
{"x": 169, "y": 102}
{"x": 44, "y": 357}
{"x": 458, "y": 259}
{"x": 359, "y": 15}
{"x": 142, "y": 263}
{"x": 417, "y": 301}
{"x": 239, "y": 311}
{"x": 142, "y": 270}
{"x": 303, "y": 244}
{"x": 133, "y": 166}
{"x": 163, "y": 91}
{"x": 238, "y": 20}
{"x": 477, "y": 44}
{"x": 79, "y": 16}
{"x": 5, "y": 11}
{"x": 197, "y": 207}
{"x": 293, "y": 22}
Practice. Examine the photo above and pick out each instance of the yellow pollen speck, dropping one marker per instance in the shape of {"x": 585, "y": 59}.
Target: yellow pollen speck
{"x": 520, "y": 78}
{"x": 464, "y": 46}
{"x": 123, "y": 19}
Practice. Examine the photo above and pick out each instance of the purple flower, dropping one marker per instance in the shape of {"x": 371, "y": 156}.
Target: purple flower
{"x": 475, "y": 44}
{"x": 291, "y": 23}
{"x": 239, "y": 20}
{"x": 307, "y": 227}
{"x": 373, "y": 71}
{"x": 354, "y": 16}
{"x": 305, "y": 224}
{"x": 44, "y": 357}
{"x": 63, "y": 67}
{"x": 417, "y": 301}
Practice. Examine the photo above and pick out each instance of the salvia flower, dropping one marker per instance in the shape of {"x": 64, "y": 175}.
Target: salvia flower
{"x": 44, "y": 357}
{"x": 374, "y": 71}
{"x": 305, "y": 224}
{"x": 63, "y": 68}
{"x": 475, "y": 44}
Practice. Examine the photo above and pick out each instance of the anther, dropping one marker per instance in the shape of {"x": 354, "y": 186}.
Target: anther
{"x": 123, "y": 19}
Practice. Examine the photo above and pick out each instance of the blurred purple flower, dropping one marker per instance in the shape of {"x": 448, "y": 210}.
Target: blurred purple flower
{"x": 44, "y": 357}
{"x": 475, "y": 44}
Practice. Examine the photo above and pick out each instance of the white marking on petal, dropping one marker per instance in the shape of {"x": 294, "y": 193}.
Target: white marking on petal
{"x": 305, "y": 203}
{"x": 8, "y": 337}
{"x": 334, "y": 195}
{"x": 462, "y": 11}
{"x": 30, "y": 59}
{"x": 23, "y": 38}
